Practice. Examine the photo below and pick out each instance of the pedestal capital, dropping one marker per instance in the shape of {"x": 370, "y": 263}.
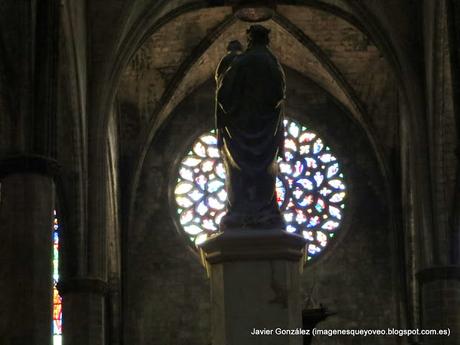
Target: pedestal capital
{"x": 252, "y": 245}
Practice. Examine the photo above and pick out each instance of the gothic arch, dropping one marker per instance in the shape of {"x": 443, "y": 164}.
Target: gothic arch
{"x": 348, "y": 95}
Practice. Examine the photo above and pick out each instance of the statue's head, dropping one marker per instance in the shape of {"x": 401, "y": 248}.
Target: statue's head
{"x": 234, "y": 46}
{"x": 258, "y": 35}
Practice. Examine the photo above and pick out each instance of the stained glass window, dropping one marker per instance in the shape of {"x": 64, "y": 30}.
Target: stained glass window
{"x": 57, "y": 302}
{"x": 310, "y": 188}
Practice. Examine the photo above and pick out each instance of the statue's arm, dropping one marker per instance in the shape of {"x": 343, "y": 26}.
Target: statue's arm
{"x": 225, "y": 81}
{"x": 281, "y": 105}
{"x": 229, "y": 89}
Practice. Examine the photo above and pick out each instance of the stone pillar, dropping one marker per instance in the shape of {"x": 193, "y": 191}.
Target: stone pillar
{"x": 83, "y": 303}
{"x": 114, "y": 321}
{"x": 440, "y": 303}
{"x": 26, "y": 207}
{"x": 255, "y": 284}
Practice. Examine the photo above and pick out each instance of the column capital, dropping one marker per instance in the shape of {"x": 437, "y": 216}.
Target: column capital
{"x": 29, "y": 163}
{"x": 83, "y": 285}
{"x": 252, "y": 245}
{"x": 435, "y": 273}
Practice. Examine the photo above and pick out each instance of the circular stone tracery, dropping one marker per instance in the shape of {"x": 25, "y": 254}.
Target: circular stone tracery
{"x": 310, "y": 188}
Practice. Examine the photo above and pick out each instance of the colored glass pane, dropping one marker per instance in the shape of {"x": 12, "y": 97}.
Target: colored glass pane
{"x": 310, "y": 188}
{"x": 57, "y": 301}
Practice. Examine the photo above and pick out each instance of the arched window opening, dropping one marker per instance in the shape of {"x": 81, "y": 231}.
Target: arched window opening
{"x": 310, "y": 188}
{"x": 57, "y": 301}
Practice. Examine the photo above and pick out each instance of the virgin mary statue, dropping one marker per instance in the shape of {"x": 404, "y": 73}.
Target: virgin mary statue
{"x": 249, "y": 119}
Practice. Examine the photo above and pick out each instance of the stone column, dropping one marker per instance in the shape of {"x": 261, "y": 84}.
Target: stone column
{"x": 114, "y": 311}
{"x": 26, "y": 206}
{"x": 440, "y": 303}
{"x": 83, "y": 303}
{"x": 255, "y": 284}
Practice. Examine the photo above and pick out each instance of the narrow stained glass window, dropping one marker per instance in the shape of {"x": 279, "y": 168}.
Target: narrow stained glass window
{"x": 310, "y": 188}
{"x": 57, "y": 302}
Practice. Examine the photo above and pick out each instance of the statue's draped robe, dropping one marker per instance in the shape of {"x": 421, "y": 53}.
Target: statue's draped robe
{"x": 249, "y": 118}
{"x": 223, "y": 66}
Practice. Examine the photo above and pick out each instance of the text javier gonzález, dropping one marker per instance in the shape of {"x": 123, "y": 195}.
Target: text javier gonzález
{"x": 280, "y": 331}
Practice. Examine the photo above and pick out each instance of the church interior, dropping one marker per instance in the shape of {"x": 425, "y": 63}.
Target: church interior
{"x": 110, "y": 180}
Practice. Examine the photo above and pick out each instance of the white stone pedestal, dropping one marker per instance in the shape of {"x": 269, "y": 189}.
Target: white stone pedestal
{"x": 255, "y": 285}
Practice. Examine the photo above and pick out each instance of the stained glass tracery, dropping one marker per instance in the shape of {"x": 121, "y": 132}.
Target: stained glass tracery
{"x": 57, "y": 301}
{"x": 310, "y": 188}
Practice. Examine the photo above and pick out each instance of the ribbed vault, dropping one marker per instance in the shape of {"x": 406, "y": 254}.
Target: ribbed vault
{"x": 182, "y": 54}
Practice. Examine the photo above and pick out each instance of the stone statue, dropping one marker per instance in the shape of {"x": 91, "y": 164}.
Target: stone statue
{"x": 249, "y": 119}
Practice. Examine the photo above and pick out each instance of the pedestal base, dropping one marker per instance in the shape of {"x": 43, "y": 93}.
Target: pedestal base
{"x": 255, "y": 286}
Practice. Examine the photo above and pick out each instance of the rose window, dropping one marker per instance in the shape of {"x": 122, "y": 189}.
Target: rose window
{"x": 310, "y": 188}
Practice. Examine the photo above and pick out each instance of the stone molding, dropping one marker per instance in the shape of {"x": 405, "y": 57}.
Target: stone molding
{"x": 252, "y": 245}
{"x": 83, "y": 285}
{"x": 34, "y": 164}
{"x": 437, "y": 273}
